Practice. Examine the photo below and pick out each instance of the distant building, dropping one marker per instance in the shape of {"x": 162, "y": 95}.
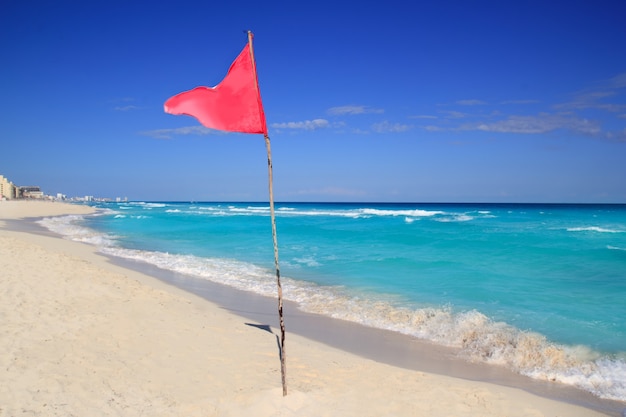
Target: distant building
{"x": 30, "y": 192}
{"x": 8, "y": 191}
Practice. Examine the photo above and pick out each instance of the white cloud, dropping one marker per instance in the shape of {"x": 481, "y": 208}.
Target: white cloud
{"x": 433, "y": 128}
{"x": 619, "y": 136}
{"x": 387, "y": 127}
{"x": 451, "y": 114}
{"x": 305, "y": 125}
{"x": 597, "y": 98}
{"x": 519, "y": 102}
{"x": 573, "y": 116}
{"x": 591, "y": 100}
{"x": 335, "y": 111}
{"x": 619, "y": 81}
{"x": 124, "y": 104}
{"x": 181, "y": 131}
{"x": 126, "y": 108}
{"x": 471, "y": 102}
{"x": 537, "y": 124}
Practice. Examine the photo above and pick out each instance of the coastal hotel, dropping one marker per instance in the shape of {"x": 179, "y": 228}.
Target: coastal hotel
{"x": 8, "y": 191}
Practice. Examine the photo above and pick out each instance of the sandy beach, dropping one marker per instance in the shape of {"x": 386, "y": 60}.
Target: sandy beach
{"x": 83, "y": 336}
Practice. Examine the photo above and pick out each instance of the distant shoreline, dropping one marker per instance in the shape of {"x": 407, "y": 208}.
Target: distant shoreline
{"x": 353, "y": 203}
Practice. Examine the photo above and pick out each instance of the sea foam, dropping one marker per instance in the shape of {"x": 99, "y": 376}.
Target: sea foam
{"x": 594, "y": 229}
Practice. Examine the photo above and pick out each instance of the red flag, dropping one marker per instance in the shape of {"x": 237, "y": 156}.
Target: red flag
{"x": 233, "y": 105}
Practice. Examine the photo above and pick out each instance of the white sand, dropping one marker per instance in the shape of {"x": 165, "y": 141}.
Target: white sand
{"x": 80, "y": 336}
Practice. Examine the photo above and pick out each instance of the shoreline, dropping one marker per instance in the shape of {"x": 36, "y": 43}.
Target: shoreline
{"x": 380, "y": 345}
{"x": 327, "y": 359}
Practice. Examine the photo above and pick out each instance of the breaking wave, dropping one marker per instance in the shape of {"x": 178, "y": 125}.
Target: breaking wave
{"x": 594, "y": 229}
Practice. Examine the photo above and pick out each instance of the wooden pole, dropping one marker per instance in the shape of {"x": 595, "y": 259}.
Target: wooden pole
{"x": 283, "y": 368}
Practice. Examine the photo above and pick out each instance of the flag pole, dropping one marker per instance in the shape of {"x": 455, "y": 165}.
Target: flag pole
{"x": 283, "y": 368}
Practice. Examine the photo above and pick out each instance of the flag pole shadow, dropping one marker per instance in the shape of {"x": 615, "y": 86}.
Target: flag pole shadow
{"x": 268, "y": 328}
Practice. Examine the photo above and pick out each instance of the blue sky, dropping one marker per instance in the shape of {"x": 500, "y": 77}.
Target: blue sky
{"x": 450, "y": 101}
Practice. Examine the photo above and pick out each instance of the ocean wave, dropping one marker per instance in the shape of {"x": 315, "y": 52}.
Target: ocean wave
{"x": 594, "y": 229}
{"x": 69, "y": 226}
{"x": 145, "y": 204}
{"x": 409, "y": 213}
{"x": 231, "y": 210}
{"x": 153, "y": 205}
{"x": 349, "y": 213}
{"x": 251, "y": 209}
{"x": 124, "y": 216}
{"x": 473, "y": 334}
{"x": 478, "y": 338}
{"x": 455, "y": 218}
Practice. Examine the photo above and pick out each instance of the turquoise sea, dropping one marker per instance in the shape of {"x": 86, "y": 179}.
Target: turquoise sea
{"x": 540, "y": 289}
